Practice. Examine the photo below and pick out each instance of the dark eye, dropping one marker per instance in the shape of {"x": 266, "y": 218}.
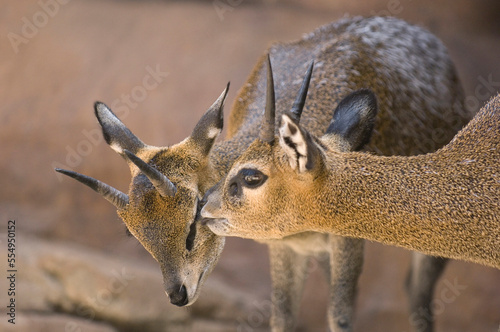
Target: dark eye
{"x": 252, "y": 178}
{"x": 191, "y": 236}
{"x": 192, "y": 229}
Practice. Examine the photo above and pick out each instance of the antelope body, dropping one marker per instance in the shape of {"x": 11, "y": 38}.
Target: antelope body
{"x": 444, "y": 203}
{"x": 418, "y": 91}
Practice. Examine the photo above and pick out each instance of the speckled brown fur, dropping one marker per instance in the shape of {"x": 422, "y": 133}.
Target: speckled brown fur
{"x": 420, "y": 98}
{"x": 421, "y": 108}
{"x": 418, "y": 91}
{"x": 443, "y": 203}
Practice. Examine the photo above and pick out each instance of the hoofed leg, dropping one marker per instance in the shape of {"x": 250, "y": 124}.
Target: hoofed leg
{"x": 346, "y": 263}
{"x": 422, "y": 277}
{"x": 289, "y": 271}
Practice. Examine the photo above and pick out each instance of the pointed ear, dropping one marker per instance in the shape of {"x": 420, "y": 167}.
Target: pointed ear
{"x": 354, "y": 118}
{"x": 210, "y": 125}
{"x": 119, "y": 137}
{"x": 303, "y": 153}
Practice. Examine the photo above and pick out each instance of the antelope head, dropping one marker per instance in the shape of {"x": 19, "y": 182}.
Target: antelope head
{"x": 164, "y": 197}
{"x": 268, "y": 193}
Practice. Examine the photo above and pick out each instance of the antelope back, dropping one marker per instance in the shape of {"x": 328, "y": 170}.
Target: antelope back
{"x": 419, "y": 94}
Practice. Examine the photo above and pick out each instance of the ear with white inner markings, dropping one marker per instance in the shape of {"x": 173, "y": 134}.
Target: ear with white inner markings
{"x": 210, "y": 124}
{"x": 302, "y": 152}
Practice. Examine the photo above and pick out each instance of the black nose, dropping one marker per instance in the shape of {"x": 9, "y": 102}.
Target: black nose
{"x": 179, "y": 296}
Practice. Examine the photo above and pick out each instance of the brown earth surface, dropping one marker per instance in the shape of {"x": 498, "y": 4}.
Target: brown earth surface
{"x": 82, "y": 51}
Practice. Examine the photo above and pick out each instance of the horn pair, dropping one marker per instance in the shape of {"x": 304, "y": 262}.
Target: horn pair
{"x": 162, "y": 184}
{"x": 110, "y": 123}
{"x": 267, "y": 129}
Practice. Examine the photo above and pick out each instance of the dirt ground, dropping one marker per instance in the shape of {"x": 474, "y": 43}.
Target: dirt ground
{"x": 53, "y": 67}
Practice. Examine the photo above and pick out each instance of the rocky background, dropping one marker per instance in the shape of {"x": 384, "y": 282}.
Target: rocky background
{"x": 77, "y": 270}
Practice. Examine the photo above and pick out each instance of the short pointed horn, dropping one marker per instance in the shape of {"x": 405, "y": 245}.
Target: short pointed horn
{"x": 164, "y": 186}
{"x": 267, "y": 130}
{"x": 112, "y": 195}
{"x": 298, "y": 105}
